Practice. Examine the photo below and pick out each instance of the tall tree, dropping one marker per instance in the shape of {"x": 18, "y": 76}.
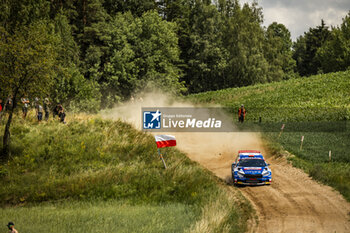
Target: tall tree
{"x": 207, "y": 58}
{"x": 334, "y": 55}
{"x": 136, "y": 7}
{"x": 306, "y": 47}
{"x": 131, "y": 52}
{"x": 278, "y": 52}
{"x": 64, "y": 7}
{"x": 70, "y": 87}
{"x": 244, "y": 39}
{"x": 179, "y": 12}
{"x": 16, "y": 13}
{"x": 89, "y": 13}
{"x": 27, "y": 59}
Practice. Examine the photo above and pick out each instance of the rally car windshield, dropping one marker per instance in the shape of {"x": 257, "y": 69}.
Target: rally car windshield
{"x": 252, "y": 163}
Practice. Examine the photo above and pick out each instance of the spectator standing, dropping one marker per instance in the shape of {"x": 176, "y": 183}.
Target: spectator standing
{"x": 39, "y": 112}
{"x": 25, "y": 102}
{"x": 55, "y": 111}
{"x": 11, "y": 227}
{"x": 46, "y": 108}
{"x": 1, "y": 108}
{"x": 61, "y": 113}
{"x": 9, "y": 103}
{"x": 241, "y": 113}
{"x": 36, "y": 102}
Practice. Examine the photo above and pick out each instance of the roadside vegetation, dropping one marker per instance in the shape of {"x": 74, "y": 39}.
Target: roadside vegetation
{"x": 317, "y": 107}
{"x": 106, "y": 173}
{"x": 314, "y": 156}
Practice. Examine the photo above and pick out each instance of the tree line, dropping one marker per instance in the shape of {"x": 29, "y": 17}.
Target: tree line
{"x": 323, "y": 49}
{"x": 91, "y": 54}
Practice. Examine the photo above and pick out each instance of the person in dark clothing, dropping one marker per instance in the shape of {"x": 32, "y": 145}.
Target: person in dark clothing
{"x": 46, "y": 108}
{"x": 39, "y": 112}
{"x": 9, "y": 103}
{"x": 1, "y": 107}
{"x": 11, "y": 227}
{"x": 61, "y": 113}
{"x": 55, "y": 111}
{"x": 241, "y": 113}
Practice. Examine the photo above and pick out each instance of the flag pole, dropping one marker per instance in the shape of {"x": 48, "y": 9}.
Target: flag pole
{"x": 161, "y": 157}
{"x": 301, "y": 143}
{"x": 282, "y": 128}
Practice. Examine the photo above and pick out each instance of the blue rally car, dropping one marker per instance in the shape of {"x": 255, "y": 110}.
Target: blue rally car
{"x": 250, "y": 168}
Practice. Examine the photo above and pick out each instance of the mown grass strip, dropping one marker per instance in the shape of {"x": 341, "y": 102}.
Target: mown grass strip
{"x": 94, "y": 217}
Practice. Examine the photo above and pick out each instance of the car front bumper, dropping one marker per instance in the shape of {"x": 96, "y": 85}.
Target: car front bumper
{"x": 252, "y": 181}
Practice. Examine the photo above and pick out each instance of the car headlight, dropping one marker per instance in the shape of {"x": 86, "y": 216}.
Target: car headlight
{"x": 265, "y": 173}
{"x": 241, "y": 172}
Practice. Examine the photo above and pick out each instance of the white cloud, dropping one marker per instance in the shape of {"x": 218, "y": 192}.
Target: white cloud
{"x": 299, "y": 15}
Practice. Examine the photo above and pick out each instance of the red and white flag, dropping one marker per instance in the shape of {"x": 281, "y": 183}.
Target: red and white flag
{"x": 165, "y": 140}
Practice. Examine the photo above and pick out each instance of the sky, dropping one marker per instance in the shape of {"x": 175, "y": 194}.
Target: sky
{"x": 299, "y": 15}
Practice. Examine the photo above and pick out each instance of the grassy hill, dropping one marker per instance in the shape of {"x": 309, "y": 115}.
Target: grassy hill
{"x": 105, "y": 176}
{"x": 319, "y": 97}
{"x": 317, "y": 107}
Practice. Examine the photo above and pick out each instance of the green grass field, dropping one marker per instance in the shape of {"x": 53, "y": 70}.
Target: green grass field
{"x": 317, "y": 107}
{"x": 314, "y": 156}
{"x": 319, "y": 97}
{"x": 110, "y": 216}
{"x": 93, "y": 173}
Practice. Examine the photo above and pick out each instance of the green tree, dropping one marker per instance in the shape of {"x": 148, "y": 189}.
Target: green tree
{"x": 278, "y": 52}
{"x": 68, "y": 8}
{"x": 206, "y": 56}
{"x": 84, "y": 17}
{"x": 306, "y": 47}
{"x": 157, "y": 54}
{"x": 17, "y": 13}
{"x": 136, "y": 7}
{"x": 334, "y": 55}
{"x": 70, "y": 87}
{"x": 27, "y": 59}
{"x": 244, "y": 38}
{"x": 132, "y": 52}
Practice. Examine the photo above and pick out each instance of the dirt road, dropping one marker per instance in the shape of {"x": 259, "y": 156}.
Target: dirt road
{"x": 292, "y": 203}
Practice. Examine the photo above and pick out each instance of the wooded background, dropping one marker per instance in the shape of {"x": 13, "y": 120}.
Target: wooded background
{"x": 91, "y": 54}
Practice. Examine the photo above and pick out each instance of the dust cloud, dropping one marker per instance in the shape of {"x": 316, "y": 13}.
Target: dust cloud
{"x": 214, "y": 150}
{"x": 130, "y": 111}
